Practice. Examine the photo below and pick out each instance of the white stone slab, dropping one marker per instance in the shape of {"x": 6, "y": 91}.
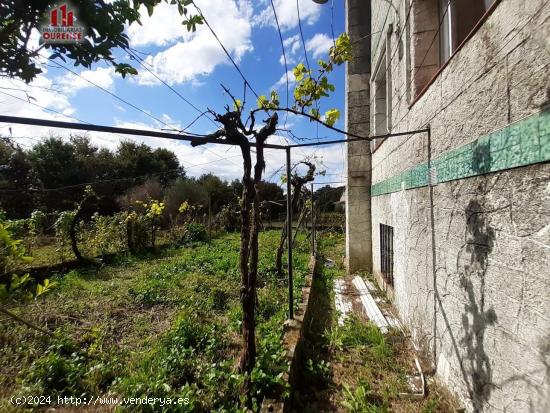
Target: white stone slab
{"x": 371, "y": 309}
{"x": 342, "y": 306}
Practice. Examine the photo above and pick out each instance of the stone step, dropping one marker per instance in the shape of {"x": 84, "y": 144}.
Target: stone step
{"x": 369, "y": 305}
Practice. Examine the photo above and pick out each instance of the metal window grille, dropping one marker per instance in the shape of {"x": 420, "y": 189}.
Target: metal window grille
{"x": 386, "y": 253}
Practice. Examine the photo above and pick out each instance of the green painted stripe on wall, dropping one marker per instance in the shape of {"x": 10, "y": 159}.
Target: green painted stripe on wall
{"x": 522, "y": 143}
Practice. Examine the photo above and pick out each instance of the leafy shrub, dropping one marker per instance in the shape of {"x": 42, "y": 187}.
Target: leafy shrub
{"x": 62, "y": 228}
{"x": 137, "y": 230}
{"x": 12, "y": 254}
{"x": 194, "y": 232}
{"x": 107, "y": 234}
{"x": 38, "y": 222}
{"x": 18, "y": 227}
{"x": 228, "y": 219}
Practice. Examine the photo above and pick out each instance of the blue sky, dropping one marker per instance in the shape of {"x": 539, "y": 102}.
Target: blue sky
{"x": 195, "y": 65}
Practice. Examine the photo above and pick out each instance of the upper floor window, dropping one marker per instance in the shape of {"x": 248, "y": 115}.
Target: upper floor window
{"x": 458, "y": 18}
{"x": 381, "y": 108}
{"x": 439, "y": 27}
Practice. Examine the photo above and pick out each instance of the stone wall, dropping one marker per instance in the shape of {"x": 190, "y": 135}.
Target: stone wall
{"x": 294, "y": 336}
{"x": 471, "y": 256}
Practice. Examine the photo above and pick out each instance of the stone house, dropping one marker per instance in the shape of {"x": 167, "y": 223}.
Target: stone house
{"x": 455, "y": 222}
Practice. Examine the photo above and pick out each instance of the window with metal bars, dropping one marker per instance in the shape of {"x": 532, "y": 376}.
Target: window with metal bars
{"x": 386, "y": 253}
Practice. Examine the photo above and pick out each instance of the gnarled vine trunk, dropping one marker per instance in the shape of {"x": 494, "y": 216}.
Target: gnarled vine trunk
{"x": 235, "y": 132}
{"x": 297, "y": 183}
{"x": 83, "y": 208}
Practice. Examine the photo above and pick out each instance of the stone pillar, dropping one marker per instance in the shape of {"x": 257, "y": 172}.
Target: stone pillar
{"x": 358, "y": 165}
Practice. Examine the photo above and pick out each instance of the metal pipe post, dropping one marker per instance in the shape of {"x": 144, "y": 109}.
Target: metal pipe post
{"x": 312, "y": 223}
{"x": 289, "y": 235}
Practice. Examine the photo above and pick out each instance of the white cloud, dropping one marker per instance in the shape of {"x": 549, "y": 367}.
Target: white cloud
{"x": 162, "y": 28}
{"x": 287, "y": 13}
{"x": 319, "y": 44}
{"x": 290, "y": 41}
{"x": 282, "y": 80}
{"x": 316, "y": 46}
{"x": 19, "y": 99}
{"x": 101, "y": 76}
{"x": 292, "y": 45}
{"x": 223, "y": 161}
{"x": 191, "y": 55}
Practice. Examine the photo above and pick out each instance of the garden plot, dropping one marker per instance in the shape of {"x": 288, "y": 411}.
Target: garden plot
{"x": 162, "y": 323}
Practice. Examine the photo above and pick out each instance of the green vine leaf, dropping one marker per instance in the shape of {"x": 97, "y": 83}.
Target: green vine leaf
{"x": 332, "y": 116}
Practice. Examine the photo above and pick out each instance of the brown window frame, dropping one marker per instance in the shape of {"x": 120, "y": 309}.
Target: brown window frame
{"x": 472, "y": 32}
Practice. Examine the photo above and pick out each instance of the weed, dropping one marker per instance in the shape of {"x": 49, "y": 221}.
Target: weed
{"x": 218, "y": 300}
{"x": 357, "y": 333}
{"x": 334, "y": 338}
{"x": 192, "y": 354}
{"x": 68, "y": 368}
{"x": 432, "y": 405}
{"x": 193, "y": 233}
{"x": 360, "y": 400}
{"x": 319, "y": 369}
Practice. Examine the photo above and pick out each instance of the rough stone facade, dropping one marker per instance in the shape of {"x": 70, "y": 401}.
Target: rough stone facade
{"x": 358, "y": 160}
{"x": 470, "y": 255}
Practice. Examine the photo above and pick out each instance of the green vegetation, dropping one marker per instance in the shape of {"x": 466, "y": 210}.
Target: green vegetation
{"x": 40, "y": 182}
{"x": 161, "y": 323}
{"x": 354, "y": 368}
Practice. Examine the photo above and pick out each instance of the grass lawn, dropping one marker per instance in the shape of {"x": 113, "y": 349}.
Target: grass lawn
{"x": 160, "y": 324}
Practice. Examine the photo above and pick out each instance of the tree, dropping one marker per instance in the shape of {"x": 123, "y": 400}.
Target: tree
{"x": 272, "y": 199}
{"x": 236, "y": 130}
{"x": 104, "y": 24}
{"x": 30, "y": 178}
{"x": 218, "y": 192}
{"x": 326, "y": 197}
{"x": 184, "y": 190}
{"x": 15, "y": 170}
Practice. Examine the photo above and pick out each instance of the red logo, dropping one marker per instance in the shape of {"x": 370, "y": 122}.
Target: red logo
{"x": 60, "y": 27}
{"x": 67, "y": 18}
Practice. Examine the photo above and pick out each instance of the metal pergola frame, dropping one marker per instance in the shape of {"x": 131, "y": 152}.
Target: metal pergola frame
{"x": 199, "y": 140}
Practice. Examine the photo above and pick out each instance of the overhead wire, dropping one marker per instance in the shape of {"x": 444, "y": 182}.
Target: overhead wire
{"x": 225, "y": 50}
{"x": 44, "y": 107}
{"x": 142, "y": 62}
{"x": 284, "y": 57}
{"x": 55, "y": 111}
{"x": 139, "y": 109}
{"x": 307, "y": 60}
{"x": 84, "y": 184}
